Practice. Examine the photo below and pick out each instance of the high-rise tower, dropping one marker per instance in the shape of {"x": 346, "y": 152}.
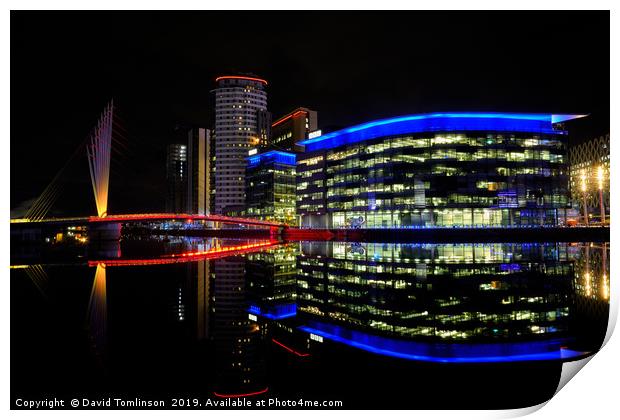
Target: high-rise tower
{"x": 176, "y": 178}
{"x": 199, "y": 171}
{"x": 238, "y": 102}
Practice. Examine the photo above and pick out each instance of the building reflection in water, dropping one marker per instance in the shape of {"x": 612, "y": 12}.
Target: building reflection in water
{"x": 213, "y": 303}
{"x": 591, "y": 270}
{"x": 489, "y": 302}
{"x": 591, "y": 284}
{"x": 203, "y": 293}
{"x": 235, "y": 298}
{"x": 272, "y": 282}
{"x": 239, "y": 359}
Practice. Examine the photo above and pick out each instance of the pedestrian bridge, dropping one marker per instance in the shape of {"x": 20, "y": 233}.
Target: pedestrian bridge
{"x": 153, "y": 217}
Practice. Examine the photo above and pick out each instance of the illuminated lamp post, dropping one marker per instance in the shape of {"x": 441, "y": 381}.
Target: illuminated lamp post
{"x": 583, "y": 196}
{"x": 600, "y": 193}
{"x": 605, "y": 291}
{"x": 587, "y": 278}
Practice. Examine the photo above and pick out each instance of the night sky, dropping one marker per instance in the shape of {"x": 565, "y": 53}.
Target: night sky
{"x": 349, "y": 66}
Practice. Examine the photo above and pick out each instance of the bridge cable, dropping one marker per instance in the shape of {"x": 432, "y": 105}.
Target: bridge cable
{"x": 43, "y": 203}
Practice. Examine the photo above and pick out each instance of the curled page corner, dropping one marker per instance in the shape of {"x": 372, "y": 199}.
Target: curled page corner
{"x": 519, "y": 412}
{"x": 613, "y": 317}
{"x": 570, "y": 369}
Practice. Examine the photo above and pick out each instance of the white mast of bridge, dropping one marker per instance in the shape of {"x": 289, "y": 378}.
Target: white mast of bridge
{"x": 98, "y": 149}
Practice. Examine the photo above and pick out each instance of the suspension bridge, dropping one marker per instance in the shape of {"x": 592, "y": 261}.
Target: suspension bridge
{"x": 98, "y": 147}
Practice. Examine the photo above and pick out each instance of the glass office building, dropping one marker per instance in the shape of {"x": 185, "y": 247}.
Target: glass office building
{"x": 270, "y": 186}
{"x": 445, "y": 170}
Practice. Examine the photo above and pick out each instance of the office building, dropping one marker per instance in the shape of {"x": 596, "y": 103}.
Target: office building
{"x": 176, "y": 178}
{"x": 239, "y": 100}
{"x": 199, "y": 171}
{"x": 293, "y": 127}
{"x": 270, "y": 186}
{"x": 444, "y": 169}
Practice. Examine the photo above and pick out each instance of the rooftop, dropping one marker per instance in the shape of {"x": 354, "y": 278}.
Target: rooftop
{"x": 275, "y": 156}
{"x": 440, "y": 122}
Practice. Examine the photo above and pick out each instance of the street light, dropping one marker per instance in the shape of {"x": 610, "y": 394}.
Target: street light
{"x": 600, "y": 174}
{"x": 584, "y": 188}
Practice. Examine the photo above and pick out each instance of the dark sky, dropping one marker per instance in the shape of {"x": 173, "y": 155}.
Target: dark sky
{"x": 350, "y": 66}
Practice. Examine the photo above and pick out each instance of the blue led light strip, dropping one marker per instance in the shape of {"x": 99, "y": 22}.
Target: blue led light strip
{"x": 276, "y": 312}
{"x": 272, "y": 156}
{"x": 448, "y": 353}
{"x": 438, "y": 122}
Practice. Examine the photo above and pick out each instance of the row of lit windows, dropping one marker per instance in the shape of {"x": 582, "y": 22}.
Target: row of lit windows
{"x": 420, "y": 163}
{"x": 440, "y": 140}
{"x": 442, "y": 266}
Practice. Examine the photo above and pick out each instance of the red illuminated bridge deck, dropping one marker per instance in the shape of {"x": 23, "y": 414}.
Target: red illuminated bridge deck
{"x": 145, "y": 217}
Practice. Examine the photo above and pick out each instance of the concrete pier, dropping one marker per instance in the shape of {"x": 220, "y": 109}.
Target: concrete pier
{"x": 101, "y": 232}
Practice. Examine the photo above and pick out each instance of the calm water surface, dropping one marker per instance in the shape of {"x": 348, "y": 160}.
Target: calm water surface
{"x": 402, "y": 325}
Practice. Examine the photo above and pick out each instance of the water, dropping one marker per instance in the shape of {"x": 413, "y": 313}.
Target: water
{"x": 373, "y": 325}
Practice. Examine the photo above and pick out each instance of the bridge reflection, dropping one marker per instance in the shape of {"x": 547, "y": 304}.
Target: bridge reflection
{"x": 185, "y": 257}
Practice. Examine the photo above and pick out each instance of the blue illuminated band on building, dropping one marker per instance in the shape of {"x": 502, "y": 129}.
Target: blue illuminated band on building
{"x": 447, "y": 353}
{"x": 276, "y": 312}
{"x": 272, "y": 156}
{"x": 439, "y": 122}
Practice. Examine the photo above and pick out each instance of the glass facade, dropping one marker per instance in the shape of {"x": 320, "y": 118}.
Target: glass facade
{"x": 440, "y": 174}
{"x": 589, "y": 179}
{"x": 270, "y": 187}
